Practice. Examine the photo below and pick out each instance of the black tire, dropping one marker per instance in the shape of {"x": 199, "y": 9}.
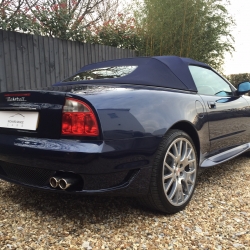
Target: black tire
{"x": 156, "y": 198}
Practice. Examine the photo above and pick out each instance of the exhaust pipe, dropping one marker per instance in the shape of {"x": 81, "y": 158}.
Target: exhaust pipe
{"x": 65, "y": 183}
{"x": 66, "y": 180}
{"x": 54, "y": 182}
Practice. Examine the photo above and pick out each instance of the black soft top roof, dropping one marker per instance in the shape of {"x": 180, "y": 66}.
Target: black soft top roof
{"x": 162, "y": 71}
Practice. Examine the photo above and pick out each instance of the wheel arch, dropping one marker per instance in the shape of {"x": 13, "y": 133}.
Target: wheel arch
{"x": 189, "y": 129}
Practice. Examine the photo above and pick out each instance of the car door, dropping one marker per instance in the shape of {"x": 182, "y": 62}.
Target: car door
{"x": 228, "y": 114}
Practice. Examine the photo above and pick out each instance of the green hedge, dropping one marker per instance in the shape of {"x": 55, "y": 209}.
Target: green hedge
{"x": 235, "y": 79}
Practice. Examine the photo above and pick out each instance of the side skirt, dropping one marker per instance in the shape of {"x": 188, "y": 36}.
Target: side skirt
{"x": 225, "y": 156}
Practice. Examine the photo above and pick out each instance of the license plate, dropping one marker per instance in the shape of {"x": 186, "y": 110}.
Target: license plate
{"x": 19, "y": 120}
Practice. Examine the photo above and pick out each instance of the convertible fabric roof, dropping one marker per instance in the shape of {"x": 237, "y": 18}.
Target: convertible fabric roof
{"x": 161, "y": 71}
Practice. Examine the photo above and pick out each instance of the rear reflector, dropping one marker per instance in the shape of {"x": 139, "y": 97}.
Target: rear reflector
{"x": 78, "y": 119}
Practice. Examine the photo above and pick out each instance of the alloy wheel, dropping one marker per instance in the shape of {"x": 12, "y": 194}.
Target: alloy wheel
{"x": 179, "y": 171}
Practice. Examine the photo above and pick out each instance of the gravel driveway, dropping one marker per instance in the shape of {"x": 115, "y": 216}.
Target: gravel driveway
{"x": 218, "y": 217}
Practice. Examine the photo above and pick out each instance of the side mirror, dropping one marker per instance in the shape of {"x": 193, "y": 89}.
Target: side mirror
{"x": 243, "y": 88}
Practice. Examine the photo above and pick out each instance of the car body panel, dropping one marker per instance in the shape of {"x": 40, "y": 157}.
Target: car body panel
{"x": 48, "y": 104}
{"x": 117, "y": 132}
{"x": 152, "y": 111}
{"x": 229, "y": 122}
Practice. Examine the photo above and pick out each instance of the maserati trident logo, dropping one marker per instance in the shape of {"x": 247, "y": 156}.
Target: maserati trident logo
{"x": 15, "y": 99}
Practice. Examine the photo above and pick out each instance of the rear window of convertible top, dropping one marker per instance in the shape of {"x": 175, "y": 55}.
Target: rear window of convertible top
{"x": 102, "y": 73}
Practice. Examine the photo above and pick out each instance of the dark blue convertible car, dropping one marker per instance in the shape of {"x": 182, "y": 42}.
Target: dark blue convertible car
{"x": 136, "y": 127}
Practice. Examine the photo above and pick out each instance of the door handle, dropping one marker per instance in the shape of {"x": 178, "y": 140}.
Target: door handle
{"x": 211, "y": 105}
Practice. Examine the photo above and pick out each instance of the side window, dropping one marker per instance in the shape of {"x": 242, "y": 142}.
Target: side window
{"x": 209, "y": 83}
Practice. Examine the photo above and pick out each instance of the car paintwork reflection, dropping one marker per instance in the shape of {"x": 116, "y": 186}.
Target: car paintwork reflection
{"x": 228, "y": 122}
{"x": 151, "y": 111}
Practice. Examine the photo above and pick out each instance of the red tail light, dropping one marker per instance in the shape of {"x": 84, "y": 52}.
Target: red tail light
{"x": 78, "y": 119}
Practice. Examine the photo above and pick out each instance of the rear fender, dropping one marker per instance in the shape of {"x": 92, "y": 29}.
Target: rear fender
{"x": 127, "y": 112}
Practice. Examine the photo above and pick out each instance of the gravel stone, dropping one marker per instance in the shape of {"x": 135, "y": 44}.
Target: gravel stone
{"x": 218, "y": 217}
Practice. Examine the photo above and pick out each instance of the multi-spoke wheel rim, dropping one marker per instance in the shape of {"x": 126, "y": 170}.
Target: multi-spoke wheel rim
{"x": 179, "y": 171}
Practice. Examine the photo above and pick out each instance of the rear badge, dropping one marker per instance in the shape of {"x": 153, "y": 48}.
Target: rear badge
{"x": 16, "y": 99}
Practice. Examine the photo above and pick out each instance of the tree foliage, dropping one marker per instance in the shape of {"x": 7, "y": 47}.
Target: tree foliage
{"x": 199, "y": 29}
{"x": 119, "y": 31}
{"x": 10, "y": 14}
{"x": 65, "y": 19}
{"x": 235, "y": 79}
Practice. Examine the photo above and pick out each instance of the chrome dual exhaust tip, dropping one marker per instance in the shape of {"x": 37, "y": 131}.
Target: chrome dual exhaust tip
{"x": 54, "y": 182}
{"x": 65, "y": 183}
{"x": 62, "y": 183}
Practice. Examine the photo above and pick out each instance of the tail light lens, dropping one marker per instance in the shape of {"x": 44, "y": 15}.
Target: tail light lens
{"x": 78, "y": 119}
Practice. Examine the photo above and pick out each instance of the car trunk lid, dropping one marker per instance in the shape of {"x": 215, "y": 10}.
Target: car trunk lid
{"x": 32, "y": 113}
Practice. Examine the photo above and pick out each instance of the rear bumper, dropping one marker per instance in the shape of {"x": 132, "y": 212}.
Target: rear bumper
{"x": 121, "y": 167}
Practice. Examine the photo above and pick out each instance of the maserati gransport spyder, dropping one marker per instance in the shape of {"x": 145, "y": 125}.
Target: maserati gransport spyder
{"x": 139, "y": 127}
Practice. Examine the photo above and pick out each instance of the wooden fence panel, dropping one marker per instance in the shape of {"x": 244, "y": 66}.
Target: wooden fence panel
{"x": 60, "y": 65}
{"x": 2, "y": 65}
{"x": 85, "y": 52}
{"x": 31, "y": 56}
{"x": 31, "y": 61}
{"x": 78, "y": 57}
{"x": 7, "y": 62}
{"x": 65, "y": 59}
{"x": 26, "y": 63}
{"x": 56, "y": 53}
{"x": 13, "y": 58}
{"x": 52, "y": 56}
{"x": 74, "y": 57}
{"x": 42, "y": 61}
{"x": 37, "y": 73}
{"x": 20, "y": 61}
